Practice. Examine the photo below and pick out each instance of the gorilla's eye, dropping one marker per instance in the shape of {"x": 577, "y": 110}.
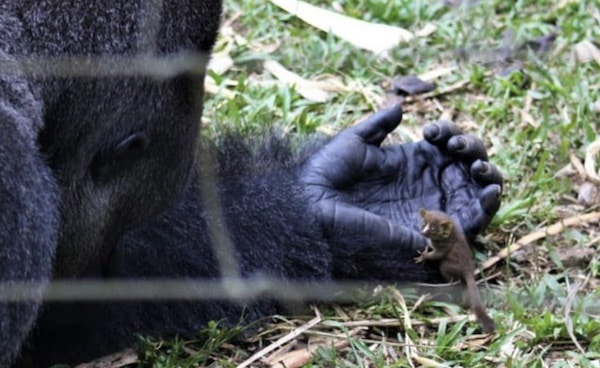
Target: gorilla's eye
{"x": 109, "y": 163}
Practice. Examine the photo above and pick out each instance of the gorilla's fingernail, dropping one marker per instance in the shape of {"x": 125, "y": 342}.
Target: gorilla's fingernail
{"x": 485, "y": 167}
{"x": 431, "y": 132}
{"x": 490, "y": 199}
{"x": 498, "y": 190}
{"x": 457, "y": 143}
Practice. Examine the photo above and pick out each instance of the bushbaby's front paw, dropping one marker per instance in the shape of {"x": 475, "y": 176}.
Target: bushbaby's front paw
{"x": 421, "y": 257}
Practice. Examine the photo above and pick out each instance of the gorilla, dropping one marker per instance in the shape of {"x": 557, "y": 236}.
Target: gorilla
{"x": 104, "y": 175}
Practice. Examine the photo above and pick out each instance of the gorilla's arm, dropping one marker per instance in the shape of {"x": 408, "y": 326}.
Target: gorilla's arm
{"x": 28, "y": 212}
{"x": 267, "y": 221}
{"x": 350, "y": 209}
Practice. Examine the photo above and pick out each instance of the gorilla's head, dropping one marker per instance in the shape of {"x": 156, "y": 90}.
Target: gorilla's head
{"x": 120, "y": 161}
{"x": 122, "y": 147}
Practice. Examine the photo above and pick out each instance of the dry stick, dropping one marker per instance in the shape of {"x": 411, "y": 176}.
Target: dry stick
{"x": 300, "y": 357}
{"x": 546, "y": 231}
{"x": 292, "y": 335}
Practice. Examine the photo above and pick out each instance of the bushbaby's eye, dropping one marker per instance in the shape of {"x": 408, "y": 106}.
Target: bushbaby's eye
{"x": 425, "y": 227}
{"x": 108, "y": 163}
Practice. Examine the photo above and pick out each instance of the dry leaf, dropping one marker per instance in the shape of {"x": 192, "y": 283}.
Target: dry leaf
{"x": 564, "y": 3}
{"x": 293, "y": 359}
{"x": 426, "y": 31}
{"x": 220, "y": 62}
{"x": 437, "y": 73}
{"x": 211, "y": 87}
{"x": 528, "y": 119}
{"x": 117, "y": 360}
{"x": 573, "y": 289}
{"x": 585, "y": 51}
{"x": 590, "y": 162}
{"x": 426, "y": 362}
{"x": 596, "y": 106}
{"x": 318, "y": 91}
{"x": 475, "y": 342}
{"x": 369, "y": 36}
{"x": 300, "y": 357}
{"x": 292, "y": 335}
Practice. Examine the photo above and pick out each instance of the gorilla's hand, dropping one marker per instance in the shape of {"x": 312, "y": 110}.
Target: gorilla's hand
{"x": 365, "y": 193}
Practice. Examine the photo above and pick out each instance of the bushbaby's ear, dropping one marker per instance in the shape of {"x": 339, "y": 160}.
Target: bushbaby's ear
{"x": 422, "y": 212}
{"x": 446, "y": 226}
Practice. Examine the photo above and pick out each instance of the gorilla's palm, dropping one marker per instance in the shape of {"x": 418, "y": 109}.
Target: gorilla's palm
{"x": 367, "y": 193}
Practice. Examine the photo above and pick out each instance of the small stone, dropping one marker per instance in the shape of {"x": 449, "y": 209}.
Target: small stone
{"x": 411, "y": 85}
{"x": 576, "y": 257}
{"x": 589, "y": 194}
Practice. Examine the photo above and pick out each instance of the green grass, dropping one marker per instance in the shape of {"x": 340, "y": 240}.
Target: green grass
{"x": 530, "y": 291}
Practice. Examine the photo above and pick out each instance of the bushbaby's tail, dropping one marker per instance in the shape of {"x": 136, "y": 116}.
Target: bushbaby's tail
{"x": 483, "y": 319}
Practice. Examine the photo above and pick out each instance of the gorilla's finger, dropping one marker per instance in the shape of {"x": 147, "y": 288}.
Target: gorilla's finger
{"x": 361, "y": 226}
{"x": 467, "y": 147}
{"x": 485, "y": 173}
{"x": 489, "y": 199}
{"x": 377, "y": 126}
{"x": 440, "y": 132}
{"x": 480, "y": 211}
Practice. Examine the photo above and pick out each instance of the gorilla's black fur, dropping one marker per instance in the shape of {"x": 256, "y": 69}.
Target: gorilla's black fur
{"x": 107, "y": 153}
{"x": 272, "y": 237}
{"x": 101, "y": 177}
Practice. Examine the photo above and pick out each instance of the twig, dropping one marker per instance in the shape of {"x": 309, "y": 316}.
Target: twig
{"x": 292, "y": 335}
{"x": 544, "y": 232}
{"x": 300, "y": 357}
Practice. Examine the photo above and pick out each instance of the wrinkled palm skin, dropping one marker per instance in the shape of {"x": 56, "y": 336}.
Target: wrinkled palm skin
{"x": 368, "y": 195}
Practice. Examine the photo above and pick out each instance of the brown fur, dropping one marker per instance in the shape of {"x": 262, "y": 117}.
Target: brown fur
{"x": 456, "y": 259}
